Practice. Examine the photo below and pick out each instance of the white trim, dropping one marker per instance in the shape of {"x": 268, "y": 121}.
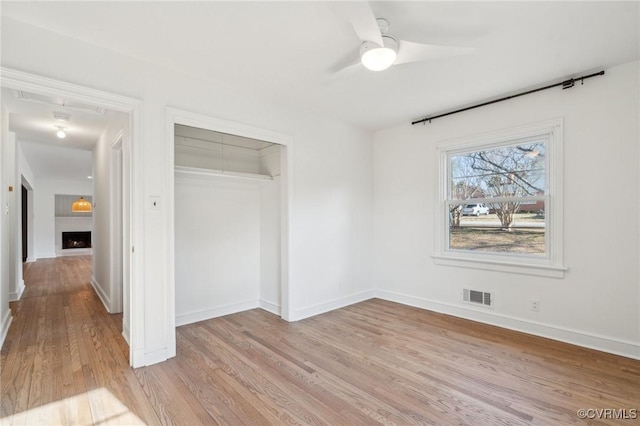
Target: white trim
{"x": 14, "y": 79}
{"x": 502, "y": 265}
{"x": 116, "y": 236}
{"x": 494, "y": 200}
{"x": 74, "y": 252}
{"x": 101, "y": 294}
{"x": 331, "y": 305}
{"x": 153, "y": 357}
{"x": 549, "y": 265}
{"x": 269, "y": 307}
{"x": 126, "y": 333}
{"x": 187, "y": 118}
{"x": 219, "y": 311}
{"x": 6, "y": 323}
{"x": 16, "y": 295}
{"x": 287, "y": 192}
{"x": 46, "y": 256}
{"x": 622, "y": 347}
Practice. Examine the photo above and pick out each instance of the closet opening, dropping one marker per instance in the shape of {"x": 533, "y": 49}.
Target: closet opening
{"x": 229, "y": 198}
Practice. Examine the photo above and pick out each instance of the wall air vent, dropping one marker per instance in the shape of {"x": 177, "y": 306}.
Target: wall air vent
{"x": 483, "y": 298}
{"x": 58, "y": 102}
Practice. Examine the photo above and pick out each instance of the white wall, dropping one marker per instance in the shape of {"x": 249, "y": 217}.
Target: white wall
{"x": 5, "y": 312}
{"x": 44, "y": 197}
{"x": 271, "y": 230}
{"x": 217, "y": 246}
{"x": 331, "y": 205}
{"x": 12, "y": 186}
{"x": 270, "y": 245}
{"x": 597, "y": 304}
{"x": 101, "y": 278}
{"x": 331, "y": 220}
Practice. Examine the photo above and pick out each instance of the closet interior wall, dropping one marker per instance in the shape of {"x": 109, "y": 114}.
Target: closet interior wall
{"x": 227, "y": 224}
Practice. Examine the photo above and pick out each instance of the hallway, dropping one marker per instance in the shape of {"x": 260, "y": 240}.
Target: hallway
{"x": 64, "y": 360}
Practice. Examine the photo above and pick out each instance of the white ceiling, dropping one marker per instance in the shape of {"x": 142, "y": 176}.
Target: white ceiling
{"x": 31, "y": 118}
{"x": 288, "y": 52}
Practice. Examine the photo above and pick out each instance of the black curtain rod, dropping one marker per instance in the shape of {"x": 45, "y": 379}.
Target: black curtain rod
{"x": 565, "y": 85}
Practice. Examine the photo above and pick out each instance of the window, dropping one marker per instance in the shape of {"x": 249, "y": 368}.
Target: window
{"x": 500, "y": 201}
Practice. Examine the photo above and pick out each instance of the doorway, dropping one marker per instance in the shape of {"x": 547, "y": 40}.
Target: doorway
{"x": 44, "y": 87}
{"x": 25, "y": 215}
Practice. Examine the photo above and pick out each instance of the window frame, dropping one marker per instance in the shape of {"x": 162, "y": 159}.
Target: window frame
{"x": 551, "y": 264}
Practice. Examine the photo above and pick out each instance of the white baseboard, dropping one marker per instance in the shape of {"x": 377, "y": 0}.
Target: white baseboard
{"x": 218, "y": 311}
{"x": 270, "y": 307}
{"x": 4, "y": 326}
{"x": 331, "y": 305}
{"x": 16, "y": 295}
{"x": 46, "y": 256}
{"x": 137, "y": 358}
{"x": 74, "y": 252}
{"x": 126, "y": 333}
{"x": 101, "y": 294}
{"x": 154, "y": 357}
{"x": 30, "y": 259}
{"x": 608, "y": 344}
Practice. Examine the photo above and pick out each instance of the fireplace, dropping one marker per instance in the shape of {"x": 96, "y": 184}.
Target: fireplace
{"x": 76, "y": 240}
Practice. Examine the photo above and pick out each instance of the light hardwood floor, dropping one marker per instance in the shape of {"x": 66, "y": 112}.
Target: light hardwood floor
{"x": 376, "y": 362}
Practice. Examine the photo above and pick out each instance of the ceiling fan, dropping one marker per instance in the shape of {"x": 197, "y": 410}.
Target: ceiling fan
{"x": 379, "y": 50}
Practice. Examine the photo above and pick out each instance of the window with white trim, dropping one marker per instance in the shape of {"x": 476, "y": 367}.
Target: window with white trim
{"x": 500, "y": 201}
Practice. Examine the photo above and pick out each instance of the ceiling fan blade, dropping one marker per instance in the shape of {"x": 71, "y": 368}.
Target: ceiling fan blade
{"x": 363, "y": 21}
{"x": 352, "y": 57}
{"x": 417, "y": 52}
{"x": 344, "y": 73}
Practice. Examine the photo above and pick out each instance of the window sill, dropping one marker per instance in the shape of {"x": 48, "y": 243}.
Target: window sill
{"x": 502, "y": 266}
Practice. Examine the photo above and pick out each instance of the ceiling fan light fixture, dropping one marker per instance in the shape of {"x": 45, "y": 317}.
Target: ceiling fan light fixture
{"x": 378, "y": 58}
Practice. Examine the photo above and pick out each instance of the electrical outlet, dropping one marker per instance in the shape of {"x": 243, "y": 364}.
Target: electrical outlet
{"x": 535, "y": 305}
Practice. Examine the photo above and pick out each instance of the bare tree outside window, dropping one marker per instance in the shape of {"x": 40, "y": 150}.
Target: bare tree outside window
{"x": 510, "y": 172}
{"x": 510, "y": 181}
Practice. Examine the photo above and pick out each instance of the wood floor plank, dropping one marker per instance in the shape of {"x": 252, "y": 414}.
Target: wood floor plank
{"x": 64, "y": 361}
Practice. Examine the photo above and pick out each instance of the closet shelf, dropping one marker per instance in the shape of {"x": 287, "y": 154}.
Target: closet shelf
{"x": 194, "y": 171}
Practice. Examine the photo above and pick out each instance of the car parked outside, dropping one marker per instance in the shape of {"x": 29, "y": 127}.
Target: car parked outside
{"x": 475, "y": 209}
